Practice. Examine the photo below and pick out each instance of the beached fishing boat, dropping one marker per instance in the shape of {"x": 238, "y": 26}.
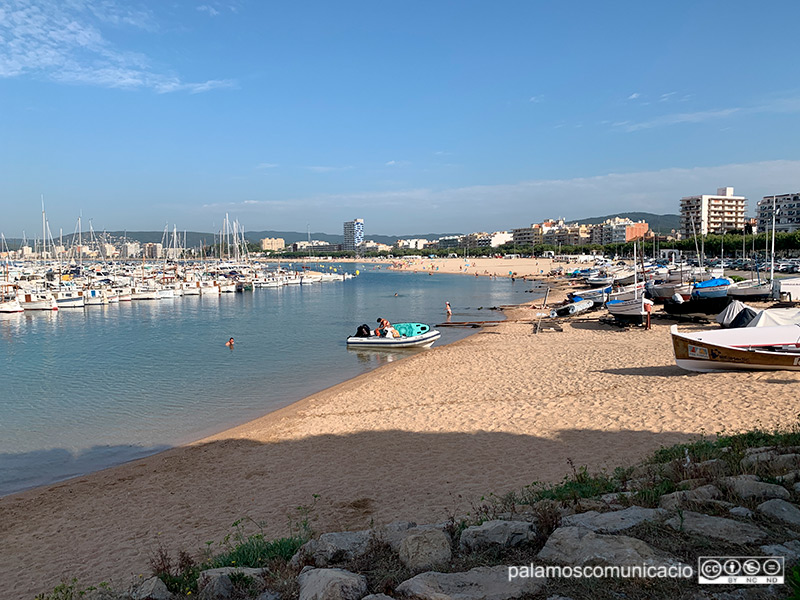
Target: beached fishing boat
{"x": 751, "y": 289}
{"x": 601, "y": 279}
{"x": 577, "y": 307}
{"x": 598, "y": 296}
{"x": 713, "y": 288}
{"x": 630, "y": 311}
{"x": 412, "y": 335}
{"x": 661, "y": 292}
{"x": 748, "y": 348}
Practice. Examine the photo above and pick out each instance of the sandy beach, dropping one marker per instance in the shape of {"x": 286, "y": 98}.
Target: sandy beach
{"x": 417, "y": 439}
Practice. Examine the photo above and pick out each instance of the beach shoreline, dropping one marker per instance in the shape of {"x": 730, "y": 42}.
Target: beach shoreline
{"x": 417, "y": 439}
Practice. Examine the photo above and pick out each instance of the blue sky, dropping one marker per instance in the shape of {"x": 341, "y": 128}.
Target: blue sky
{"x": 416, "y": 116}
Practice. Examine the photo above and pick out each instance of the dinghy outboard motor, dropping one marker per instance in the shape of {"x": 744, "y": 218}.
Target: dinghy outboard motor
{"x": 363, "y": 331}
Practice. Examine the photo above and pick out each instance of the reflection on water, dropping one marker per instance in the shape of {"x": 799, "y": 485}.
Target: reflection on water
{"x": 383, "y": 356}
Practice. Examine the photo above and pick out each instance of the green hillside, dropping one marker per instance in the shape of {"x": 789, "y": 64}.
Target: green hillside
{"x": 659, "y": 223}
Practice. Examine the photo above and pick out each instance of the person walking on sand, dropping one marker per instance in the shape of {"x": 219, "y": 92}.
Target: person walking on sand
{"x": 448, "y": 309}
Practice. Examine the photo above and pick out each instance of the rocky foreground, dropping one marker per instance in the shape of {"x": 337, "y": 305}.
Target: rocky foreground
{"x": 701, "y": 499}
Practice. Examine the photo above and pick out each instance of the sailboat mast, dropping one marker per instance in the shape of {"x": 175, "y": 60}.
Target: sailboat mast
{"x": 772, "y": 258}
{"x": 80, "y": 244}
{"x": 44, "y": 234}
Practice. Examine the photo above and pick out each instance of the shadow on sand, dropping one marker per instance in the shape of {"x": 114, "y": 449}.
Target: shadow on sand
{"x": 25, "y": 470}
{"x": 185, "y": 496}
{"x": 656, "y": 371}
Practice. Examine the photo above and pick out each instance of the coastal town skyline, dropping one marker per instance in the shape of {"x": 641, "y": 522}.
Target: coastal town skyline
{"x": 467, "y": 119}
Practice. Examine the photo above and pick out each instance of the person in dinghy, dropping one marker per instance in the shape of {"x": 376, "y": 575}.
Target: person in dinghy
{"x": 385, "y": 329}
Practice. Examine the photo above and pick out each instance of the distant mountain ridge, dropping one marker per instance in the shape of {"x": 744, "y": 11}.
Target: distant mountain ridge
{"x": 663, "y": 224}
{"x": 196, "y": 238}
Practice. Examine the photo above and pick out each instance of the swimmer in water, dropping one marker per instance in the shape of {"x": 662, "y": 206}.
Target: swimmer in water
{"x": 229, "y": 343}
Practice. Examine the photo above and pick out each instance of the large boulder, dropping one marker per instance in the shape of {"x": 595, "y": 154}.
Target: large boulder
{"x": 771, "y": 461}
{"x": 496, "y": 533}
{"x": 333, "y": 548}
{"x": 758, "y": 461}
{"x": 424, "y": 549}
{"x": 394, "y": 536}
{"x": 480, "y": 583}
{"x": 790, "y": 550}
{"x": 331, "y": 584}
{"x": 782, "y": 511}
{"x": 151, "y": 589}
{"x": 748, "y": 487}
{"x": 718, "y": 528}
{"x": 686, "y": 498}
{"x": 217, "y": 589}
{"x": 615, "y": 521}
{"x": 209, "y": 575}
{"x": 710, "y": 469}
{"x": 581, "y": 546}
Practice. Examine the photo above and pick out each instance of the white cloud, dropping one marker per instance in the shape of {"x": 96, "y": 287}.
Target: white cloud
{"x": 776, "y": 105}
{"x": 666, "y": 97}
{"x": 266, "y": 166}
{"x": 674, "y": 119}
{"x": 64, "y": 42}
{"x": 536, "y": 99}
{"x": 212, "y": 12}
{"x": 634, "y": 96}
{"x": 397, "y": 163}
{"x": 518, "y": 204}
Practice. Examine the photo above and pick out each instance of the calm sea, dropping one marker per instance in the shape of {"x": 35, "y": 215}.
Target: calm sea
{"x": 84, "y": 389}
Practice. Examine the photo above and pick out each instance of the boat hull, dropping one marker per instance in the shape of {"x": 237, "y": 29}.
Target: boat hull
{"x": 418, "y": 341}
{"x": 37, "y": 301}
{"x": 703, "y": 356}
{"x": 630, "y": 311}
{"x": 10, "y": 306}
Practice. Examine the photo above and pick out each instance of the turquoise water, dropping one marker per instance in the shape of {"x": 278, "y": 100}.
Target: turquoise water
{"x": 86, "y": 389}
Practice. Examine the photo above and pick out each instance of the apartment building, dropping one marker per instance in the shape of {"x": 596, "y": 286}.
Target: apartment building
{"x": 787, "y": 212}
{"x": 273, "y": 244}
{"x": 708, "y": 213}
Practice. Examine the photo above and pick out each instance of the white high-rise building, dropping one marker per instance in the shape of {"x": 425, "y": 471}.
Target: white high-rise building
{"x": 787, "y": 207}
{"x": 353, "y": 234}
{"x": 712, "y": 213}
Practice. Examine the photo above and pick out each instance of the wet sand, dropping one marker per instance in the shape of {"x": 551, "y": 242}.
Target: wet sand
{"x": 417, "y": 439}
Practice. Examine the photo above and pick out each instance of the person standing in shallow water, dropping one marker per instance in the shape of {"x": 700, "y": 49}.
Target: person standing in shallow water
{"x": 448, "y": 309}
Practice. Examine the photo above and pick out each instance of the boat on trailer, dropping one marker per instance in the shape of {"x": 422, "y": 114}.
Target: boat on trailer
{"x": 412, "y": 335}
{"x": 747, "y": 348}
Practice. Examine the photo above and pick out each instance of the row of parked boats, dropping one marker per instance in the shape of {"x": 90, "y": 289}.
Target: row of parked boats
{"x": 629, "y": 293}
{"x": 750, "y": 339}
{"x": 46, "y": 290}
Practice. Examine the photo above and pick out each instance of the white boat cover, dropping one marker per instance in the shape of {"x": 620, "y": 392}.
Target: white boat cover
{"x": 774, "y": 317}
{"x": 746, "y": 337}
{"x": 729, "y": 313}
